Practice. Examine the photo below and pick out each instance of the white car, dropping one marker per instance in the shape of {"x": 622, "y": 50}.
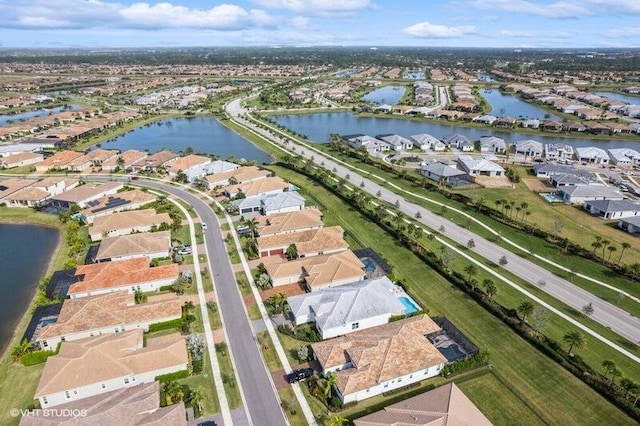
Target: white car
{"x": 204, "y": 225}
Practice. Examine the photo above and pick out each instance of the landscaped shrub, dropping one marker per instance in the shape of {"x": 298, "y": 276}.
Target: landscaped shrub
{"x": 166, "y": 325}
{"x": 197, "y": 366}
{"x": 182, "y": 374}
{"x": 35, "y": 357}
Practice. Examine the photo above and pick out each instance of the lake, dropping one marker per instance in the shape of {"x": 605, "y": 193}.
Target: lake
{"x": 25, "y": 252}
{"x": 634, "y": 100}
{"x": 40, "y": 112}
{"x": 203, "y": 134}
{"x": 318, "y": 126}
{"x": 502, "y": 105}
{"x": 385, "y": 95}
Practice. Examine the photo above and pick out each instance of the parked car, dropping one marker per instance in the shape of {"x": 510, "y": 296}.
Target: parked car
{"x": 204, "y": 225}
{"x": 299, "y": 375}
{"x": 185, "y": 250}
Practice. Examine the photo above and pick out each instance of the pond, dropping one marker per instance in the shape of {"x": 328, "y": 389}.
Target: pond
{"x": 25, "y": 251}
{"x": 510, "y": 105}
{"x": 634, "y": 100}
{"x": 318, "y": 126}
{"x": 203, "y": 134}
{"x": 40, "y": 112}
{"x": 385, "y": 95}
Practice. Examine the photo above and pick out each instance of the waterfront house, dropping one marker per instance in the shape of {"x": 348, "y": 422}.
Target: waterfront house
{"x": 57, "y": 161}
{"x": 186, "y": 163}
{"x": 127, "y": 222}
{"x": 625, "y": 157}
{"x": 479, "y": 166}
{"x": 155, "y": 161}
{"x": 150, "y": 245}
{"x": 341, "y": 310}
{"x": 85, "y": 194}
{"x": 486, "y": 119}
{"x": 530, "y": 123}
{"x": 240, "y": 175}
{"x": 396, "y": 142}
{"x": 592, "y": 155}
{"x": 558, "y": 151}
{"x": 424, "y": 141}
{"x": 106, "y": 314}
{"x": 380, "y": 359}
{"x": 124, "y": 161}
{"x": 529, "y": 149}
{"x": 97, "y": 365}
{"x": 492, "y": 144}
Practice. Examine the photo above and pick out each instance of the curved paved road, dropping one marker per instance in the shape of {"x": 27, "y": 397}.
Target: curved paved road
{"x": 605, "y": 313}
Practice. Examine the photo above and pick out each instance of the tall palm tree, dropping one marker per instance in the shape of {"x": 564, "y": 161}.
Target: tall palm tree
{"x": 173, "y": 392}
{"x": 625, "y": 246}
{"x": 605, "y": 244}
{"x": 611, "y": 250}
{"x": 471, "y": 269}
{"x": 252, "y": 224}
{"x": 575, "y": 340}
{"x": 525, "y": 309}
{"x": 490, "y": 287}
{"x": 197, "y": 398}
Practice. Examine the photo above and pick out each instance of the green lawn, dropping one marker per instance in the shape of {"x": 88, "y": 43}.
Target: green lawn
{"x": 214, "y": 315}
{"x": 243, "y": 283}
{"x": 291, "y": 407}
{"x": 229, "y": 381}
{"x": 550, "y": 388}
{"x": 254, "y": 311}
{"x": 268, "y": 351}
{"x": 205, "y": 381}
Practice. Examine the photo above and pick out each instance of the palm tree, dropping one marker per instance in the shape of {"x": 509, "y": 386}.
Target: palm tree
{"x": 628, "y": 385}
{"x": 338, "y": 420}
{"x": 173, "y": 392}
{"x": 625, "y": 246}
{"x": 197, "y": 398}
{"x": 575, "y": 340}
{"x": 605, "y": 244}
{"x": 21, "y": 349}
{"x": 525, "y": 309}
{"x": 471, "y": 269}
{"x": 609, "y": 368}
{"x": 291, "y": 253}
{"x": 330, "y": 380}
{"x": 490, "y": 287}
{"x": 252, "y": 224}
{"x": 611, "y": 250}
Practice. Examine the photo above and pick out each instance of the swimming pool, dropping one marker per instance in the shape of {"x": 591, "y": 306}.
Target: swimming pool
{"x": 409, "y": 306}
{"x": 452, "y": 353}
{"x": 369, "y": 266}
{"x": 550, "y": 197}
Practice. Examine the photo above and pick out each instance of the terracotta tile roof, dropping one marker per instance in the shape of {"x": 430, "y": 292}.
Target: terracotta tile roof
{"x": 446, "y": 405}
{"x": 159, "y": 158}
{"x": 9, "y": 186}
{"x": 380, "y": 353}
{"x": 100, "y": 155}
{"x": 134, "y": 245}
{"x": 60, "y": 159}
{"x": 128, "y": 219}
{"x": 98, "y": 359}
{"x": 134, "y": 196}
{"x": 187, "y": 162}
{"x": 260, "y": 186}
{"x": 130, "y": 157}
{"x": 16, "y": 158}
{"x": 84, "y": 192}
{"x": 320, "y": 271}
{"x": 306, "y": 242}
{"x": 122, "y": 273}
{"x": 289, "y": 222}
{"x": 241, "y": 175}
{"x": 113, "y": 309}
{"x": 139, "y": 405}
{"x": 28, "y": 194}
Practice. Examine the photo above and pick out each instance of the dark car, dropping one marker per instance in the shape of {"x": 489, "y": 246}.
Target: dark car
{"x": 299, "y": 375}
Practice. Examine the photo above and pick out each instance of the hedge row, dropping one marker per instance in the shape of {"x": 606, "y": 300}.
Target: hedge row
{"x": 167, "y": 325}
{"x": 182, "y": 374}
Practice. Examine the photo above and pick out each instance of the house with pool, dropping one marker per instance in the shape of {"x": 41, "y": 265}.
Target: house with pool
{"x": 336, "y": 311}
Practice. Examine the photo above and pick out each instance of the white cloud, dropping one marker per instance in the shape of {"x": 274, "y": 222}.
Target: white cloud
{"x": 623, "y": 32}
{"x": 317, "y": 7}
{"x": 555, "y": 35}
{"x": 558, "y": 9}
{"x": 301, "y": 23}
{"x": 620, "y": 6}
{"x": 429, "y": 30}
{"x": 42, "y": 14}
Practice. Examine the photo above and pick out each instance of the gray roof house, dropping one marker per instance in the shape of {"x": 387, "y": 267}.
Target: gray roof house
{"x": 202, "y": 170}
{"x": 341, "y": 310}
{"x": 456, "y": 140}
{"x": 630, "y": 224}
{"x": 282, "y": 202}
{"x": 479, "y": 166}
{"x": 529, "y": 148}
{"x": 591, "y": 154}
{"x": 249, "y": 205}
{"x": 579, "y": 194}
{"x": 450, "y": 175}
{"x": 531, "y": 123}
{"x": 424, "y": 141}
{"x": 624, "y": 156}
{"x": 397, "y": 142}
{"x": 492, "y": 144}
{"x": 612, "y": 209}
{"x": 550, "y": 169}
{"x": 560, "y": 180}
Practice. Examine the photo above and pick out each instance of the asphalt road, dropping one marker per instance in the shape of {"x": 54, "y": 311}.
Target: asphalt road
{"x": 605, "y": 313}
{"x": 262, "y": 404}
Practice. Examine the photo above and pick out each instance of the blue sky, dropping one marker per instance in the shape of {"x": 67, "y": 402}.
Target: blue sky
{"x": 465, "y": 23}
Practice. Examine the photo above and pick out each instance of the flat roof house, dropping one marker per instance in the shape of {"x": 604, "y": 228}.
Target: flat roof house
{"x": 105, "y": 314}
{"x": 380, "y": 359}
{"x": 97, "y": 365}
{"x": 341, "y": 310}
{"x": 150, "y": 245}
{"x": 309, "y": 243}
{"x": 445, "y": 405}
{"x": 130, "y": 275}
{"x": 139, "y": 405}
{"x": 126, "y": 222}
{"x": 290, "y": 222}
{"x": 612, "y": 209}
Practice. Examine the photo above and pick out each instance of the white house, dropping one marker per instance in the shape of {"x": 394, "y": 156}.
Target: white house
{"x": 492, "y": 144}
{"x": 282, "y": 202}
{"x": 579, "y": 194}
{"x": 396, "y": 142}
{"x": 126, "y": 222}
{"x": 530, "y": 123}
{"x": 558, "y": 151}
{"x": 379, "y": 359}
{"x": 630, "y": 224}
{"x": 217, "y": 167}
{"x": 97, "y": 365}
{"x": 529, "y": 148}
{"x": 592, "y": 154}
{"x": 345, "y": 309}
{"x": 424, "y": 141}
{"x": 612, "y": 209}
{"x": 624, "y": 157}
{"x": 479, "y": 166}
{"x": 486, "y": 119}
{"x": 105, "y": 314}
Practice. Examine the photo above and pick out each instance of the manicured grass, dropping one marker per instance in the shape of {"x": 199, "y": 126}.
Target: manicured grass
{"x": 268, "y": 351}
{"x": 241, "y": 279}
{"x": 214, "y": 315}
{"x": 204, "y": 380}
{"x": 551, "y": 389}
{"x": 234, "y": 257}
{"x": 254, "y": 311}
{"x": 182, "y": 235}
{"x": 17, "y": 389}
{"x": 230, "y": 384}
{"x": 291, "y": 346}
{"x": 291, "y": 407}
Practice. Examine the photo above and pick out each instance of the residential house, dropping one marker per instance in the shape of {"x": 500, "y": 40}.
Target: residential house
{"x": 155, "y": 161}
{"x": 138, "y": 405}
{"x": 592, "y": 155}
{"x": 579, "y": 194}
{"x": 396, "y": 142}
{"x": 109, "y": 204}
{"x": 445, "y": 405}
{"x": 97, "y": 365}
{"x": 630, "y": 224}
{"x": 281, "y": 202}
{"x": 318, "y": 272}
{"x": 424, "y": 141}
{"x": 381, "y": 359}
{"x": 597, "y": 128}
{"x": 505, "y": 122}
{"x": 457, "y": 141}
{"x": 214, "y": 168}
{"x": 569, "y": 179}
{"x": 186, "y": 163}
{"x": 260, "y": 187}
{"x": 558, "y": 151}
{"x": 549, "y": 170}
{"x": 150, "y": 245}
{"x": 479, "y": 166}
{"x": 85, "y": 194}
{"x": 309, "y": 243}
{"x": 124, "y": 161}
{"x": 443, "y": 173}
{"x": 131, "y": 275}
{"x": 529, "y": 149}
{"x": 551, "y": 126}
{"x": 357, "y": 141}
{"x": 19, "y": 160}
{"x": 57, "y": 161}
{"x": 384, "y": 108}
{"x": 530, "y": 123}
{"x": 12, "y": 185}
{"x": 492, "y": 144}
{"x": 572, "y": 126}
{"x": 486, "y": 119}
{"x": 625, "y": 157}
{"x": 248, "y": 206}
{"x": 241, "y": 175}
{"x": 105, "y": 314}
{"x": 127, "y": 222}
{"x": 290, "y": 222}
{"x": 336, "y": 311}
{"x": 612, "y": 209}
{"x": 99, "y": 156}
